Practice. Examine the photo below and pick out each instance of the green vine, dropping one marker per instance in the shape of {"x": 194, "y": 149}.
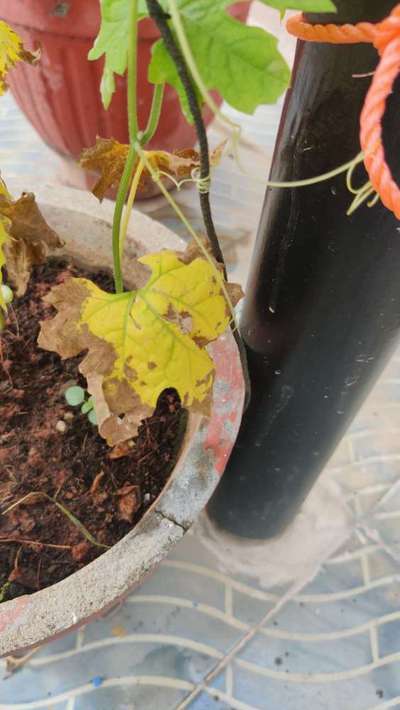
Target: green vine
{"x": 119, "y": 207}
{"x": 154, "y": 117}
{"x": 133, "y": 136}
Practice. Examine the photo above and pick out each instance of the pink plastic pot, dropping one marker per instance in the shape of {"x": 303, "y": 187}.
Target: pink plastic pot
{"x": 61, "y": 96}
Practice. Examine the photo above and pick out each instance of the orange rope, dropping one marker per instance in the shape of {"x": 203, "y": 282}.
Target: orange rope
{"x": 385, "y": 36}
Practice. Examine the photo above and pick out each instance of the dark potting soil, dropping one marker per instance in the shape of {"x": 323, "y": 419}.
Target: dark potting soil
{"x": 48, "y": 447}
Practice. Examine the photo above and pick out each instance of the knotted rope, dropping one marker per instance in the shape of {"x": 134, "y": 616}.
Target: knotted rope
{"x": 385, "y": 36}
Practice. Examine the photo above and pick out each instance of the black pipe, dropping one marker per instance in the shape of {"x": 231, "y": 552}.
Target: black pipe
{"x": 322, "y": 311}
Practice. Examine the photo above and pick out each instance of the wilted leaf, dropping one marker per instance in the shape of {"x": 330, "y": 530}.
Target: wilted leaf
{"x": 11, "y": 52}
{"x": 142, "y": 342}
{"x": 108, "y": 158}
{"x": 30, "y": 237}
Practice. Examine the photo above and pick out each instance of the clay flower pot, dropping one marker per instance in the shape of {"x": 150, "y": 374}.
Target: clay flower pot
{"x": 37, "y": 618}
{"x": 61, "y": 95}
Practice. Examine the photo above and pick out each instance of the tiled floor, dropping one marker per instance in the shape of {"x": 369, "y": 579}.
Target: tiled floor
{"x": 198, "y": 634}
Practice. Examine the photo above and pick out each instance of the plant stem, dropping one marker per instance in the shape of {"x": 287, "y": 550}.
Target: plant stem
{"x": 129, "y": 205}
{"x": 154, "y": 117}
{"x": 132, "y": 72}
{"x": 133, "y": 131}
{"x": 119, "y": 206}
{"x": 161, "y": 19}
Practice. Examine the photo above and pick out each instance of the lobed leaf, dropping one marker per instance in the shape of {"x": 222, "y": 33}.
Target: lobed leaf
{"x": 241, "y": 62}
{"x": 141, "y": 342}
{"x": 12, "y": 51}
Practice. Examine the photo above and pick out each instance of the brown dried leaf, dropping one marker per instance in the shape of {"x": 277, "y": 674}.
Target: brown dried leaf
{"x": 113, "y": 427}
{"x": 108, "y": 158}
{"x": 30, "y": 237}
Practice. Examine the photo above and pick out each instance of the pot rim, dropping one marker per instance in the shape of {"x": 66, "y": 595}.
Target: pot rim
{"x": 33, "y": 619}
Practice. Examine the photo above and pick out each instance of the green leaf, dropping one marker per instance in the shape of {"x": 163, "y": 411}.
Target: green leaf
{"x": 75, "y": 396}
{"x": 162, "y": 70}
{"x": 87, "y": 406}
{"x": 92, "y": 417}
{"x": 304, "y": 5}
{"x": 112, "y": 41}
{"x": 242, "y": 63}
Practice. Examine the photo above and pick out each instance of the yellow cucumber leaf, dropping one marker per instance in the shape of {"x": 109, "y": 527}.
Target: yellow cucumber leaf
{"x": 108, "y": 158}
{"x": 30, "y": 237}
{"x": 12, "y": 51}
{"x": 142, "y": 342}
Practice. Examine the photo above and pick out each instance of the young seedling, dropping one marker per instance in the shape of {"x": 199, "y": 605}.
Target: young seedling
{"x": 75, "y": 396}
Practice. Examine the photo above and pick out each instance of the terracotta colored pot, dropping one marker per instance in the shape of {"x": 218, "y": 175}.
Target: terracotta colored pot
{"x": 61, "y": 96}
{"x": 40, "y": 617}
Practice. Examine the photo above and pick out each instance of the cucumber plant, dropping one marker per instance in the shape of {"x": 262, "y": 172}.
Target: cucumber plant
{"x": 140, "y": 342}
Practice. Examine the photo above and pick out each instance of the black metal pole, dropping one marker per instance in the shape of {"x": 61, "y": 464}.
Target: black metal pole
{"x": 322, "y": 311}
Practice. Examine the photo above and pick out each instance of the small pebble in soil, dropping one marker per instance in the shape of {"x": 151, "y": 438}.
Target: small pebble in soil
{"x": 61, "y": 426}
{"x": 68, "y": 416}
